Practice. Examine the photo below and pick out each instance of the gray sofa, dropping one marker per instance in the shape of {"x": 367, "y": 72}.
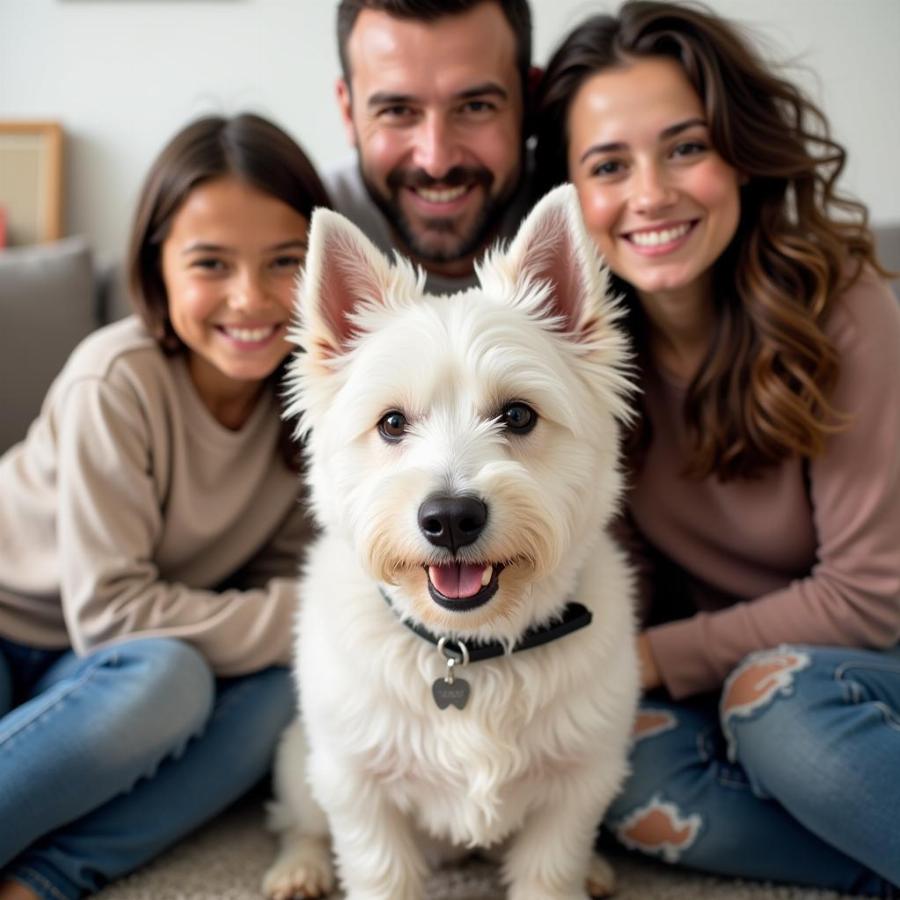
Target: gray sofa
{"x": 49, "y": 300}
{"x": 51, "y": 296}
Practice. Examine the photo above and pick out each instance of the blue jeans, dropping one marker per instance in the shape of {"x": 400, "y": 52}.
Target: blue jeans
{"x": 108, "y": 759}
{"x": 792, "y": 774}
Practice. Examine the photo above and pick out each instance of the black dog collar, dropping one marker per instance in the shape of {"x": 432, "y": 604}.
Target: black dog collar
{"x": 574, "y": 617}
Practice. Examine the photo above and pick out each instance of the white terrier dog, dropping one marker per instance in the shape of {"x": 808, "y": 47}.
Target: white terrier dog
{"x": 465, "y": 652}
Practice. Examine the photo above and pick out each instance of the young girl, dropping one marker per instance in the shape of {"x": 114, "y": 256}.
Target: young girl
{"x": 150, "y": 531}
{"x": 765, "y": 466}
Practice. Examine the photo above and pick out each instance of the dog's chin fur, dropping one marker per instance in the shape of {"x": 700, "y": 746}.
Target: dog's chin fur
{"x": 531, "y": 762}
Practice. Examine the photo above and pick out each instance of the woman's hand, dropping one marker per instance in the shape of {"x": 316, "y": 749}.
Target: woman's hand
{"x": 650, "y": 677}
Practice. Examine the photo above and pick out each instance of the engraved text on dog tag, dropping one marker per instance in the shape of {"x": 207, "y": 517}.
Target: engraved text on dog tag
{"x": 448, "y": 692}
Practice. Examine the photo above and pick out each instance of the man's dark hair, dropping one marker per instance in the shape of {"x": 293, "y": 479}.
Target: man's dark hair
{"x": 517, "y": 13}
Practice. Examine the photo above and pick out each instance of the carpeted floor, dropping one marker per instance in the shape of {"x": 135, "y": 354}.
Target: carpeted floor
{"x": 226, "y": 860}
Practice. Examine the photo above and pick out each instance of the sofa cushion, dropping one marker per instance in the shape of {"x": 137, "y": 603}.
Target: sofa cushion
{"x": 48, "y": 300}
{"x": 887, "y": 243}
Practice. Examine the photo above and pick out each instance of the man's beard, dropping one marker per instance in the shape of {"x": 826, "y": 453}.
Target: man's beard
{"x": 466, "y": 244}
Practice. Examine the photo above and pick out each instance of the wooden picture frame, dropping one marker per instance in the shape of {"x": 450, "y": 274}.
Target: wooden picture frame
{"x": 31, "y": 155}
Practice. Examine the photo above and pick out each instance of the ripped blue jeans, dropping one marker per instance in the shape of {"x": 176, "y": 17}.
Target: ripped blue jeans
{"x": 791, "y": 775}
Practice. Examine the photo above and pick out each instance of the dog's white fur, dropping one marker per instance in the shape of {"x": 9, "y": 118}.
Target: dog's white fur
{"x": 531, "y": 763}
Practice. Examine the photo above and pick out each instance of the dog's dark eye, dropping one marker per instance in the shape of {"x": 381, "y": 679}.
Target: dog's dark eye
{"x": 519, "y": 418}
{"x": 392, "y": 425}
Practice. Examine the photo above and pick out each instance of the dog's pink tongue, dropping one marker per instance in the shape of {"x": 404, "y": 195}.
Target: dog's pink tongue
{"x": 456, "y": 579}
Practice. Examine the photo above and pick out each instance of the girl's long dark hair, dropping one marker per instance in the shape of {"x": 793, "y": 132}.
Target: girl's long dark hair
{"x": 245, "y": 146}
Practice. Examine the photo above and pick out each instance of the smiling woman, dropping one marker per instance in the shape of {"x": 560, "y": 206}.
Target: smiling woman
{"x": 764, "y": 468}
{"x": 660, "y": 202}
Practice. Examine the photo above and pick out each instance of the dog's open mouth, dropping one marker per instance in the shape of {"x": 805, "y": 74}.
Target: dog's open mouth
{"x": 463, "y": 586}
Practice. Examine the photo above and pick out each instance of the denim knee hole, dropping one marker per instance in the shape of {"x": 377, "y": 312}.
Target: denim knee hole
{"x": 755, "y": 684}
{"x": 659, "y": 828}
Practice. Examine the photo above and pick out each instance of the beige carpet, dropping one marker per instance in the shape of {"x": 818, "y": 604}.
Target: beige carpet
{"x": 226, "y": 860}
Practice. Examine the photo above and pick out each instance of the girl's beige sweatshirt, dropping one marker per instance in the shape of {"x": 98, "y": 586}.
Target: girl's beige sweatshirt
{"x": 129, "y": 510}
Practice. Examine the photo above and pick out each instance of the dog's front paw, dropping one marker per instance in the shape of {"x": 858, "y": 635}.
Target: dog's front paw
{"x": 302, "y": 871}
{"x": 601, "y": 880}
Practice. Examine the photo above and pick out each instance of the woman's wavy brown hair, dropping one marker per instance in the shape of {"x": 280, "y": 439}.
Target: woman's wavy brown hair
{"x": 247, "y": 147}
{"x": 763, "y": 391}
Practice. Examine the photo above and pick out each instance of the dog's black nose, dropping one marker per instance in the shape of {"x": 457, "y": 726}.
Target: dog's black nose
{"x": 452, "y": 522}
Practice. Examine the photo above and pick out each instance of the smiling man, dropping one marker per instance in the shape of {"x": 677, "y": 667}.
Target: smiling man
{"x": 433, "y": 97}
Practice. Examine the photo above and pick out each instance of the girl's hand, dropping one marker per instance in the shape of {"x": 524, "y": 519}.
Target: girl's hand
{"x": 650, "y": 677}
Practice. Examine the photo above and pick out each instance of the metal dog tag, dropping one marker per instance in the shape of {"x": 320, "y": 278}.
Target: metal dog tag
{"x": 450, "y": 690}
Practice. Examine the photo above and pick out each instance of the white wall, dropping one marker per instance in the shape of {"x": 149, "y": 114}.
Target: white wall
{"x": 123, "y": 75}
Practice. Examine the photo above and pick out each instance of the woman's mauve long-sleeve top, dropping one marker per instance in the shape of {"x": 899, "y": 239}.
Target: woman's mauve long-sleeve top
{"x": 807, "y": 553}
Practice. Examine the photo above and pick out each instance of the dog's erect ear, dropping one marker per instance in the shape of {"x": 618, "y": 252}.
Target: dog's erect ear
{"x": 553, "y": 247}
{"x": 344, "y": 271}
